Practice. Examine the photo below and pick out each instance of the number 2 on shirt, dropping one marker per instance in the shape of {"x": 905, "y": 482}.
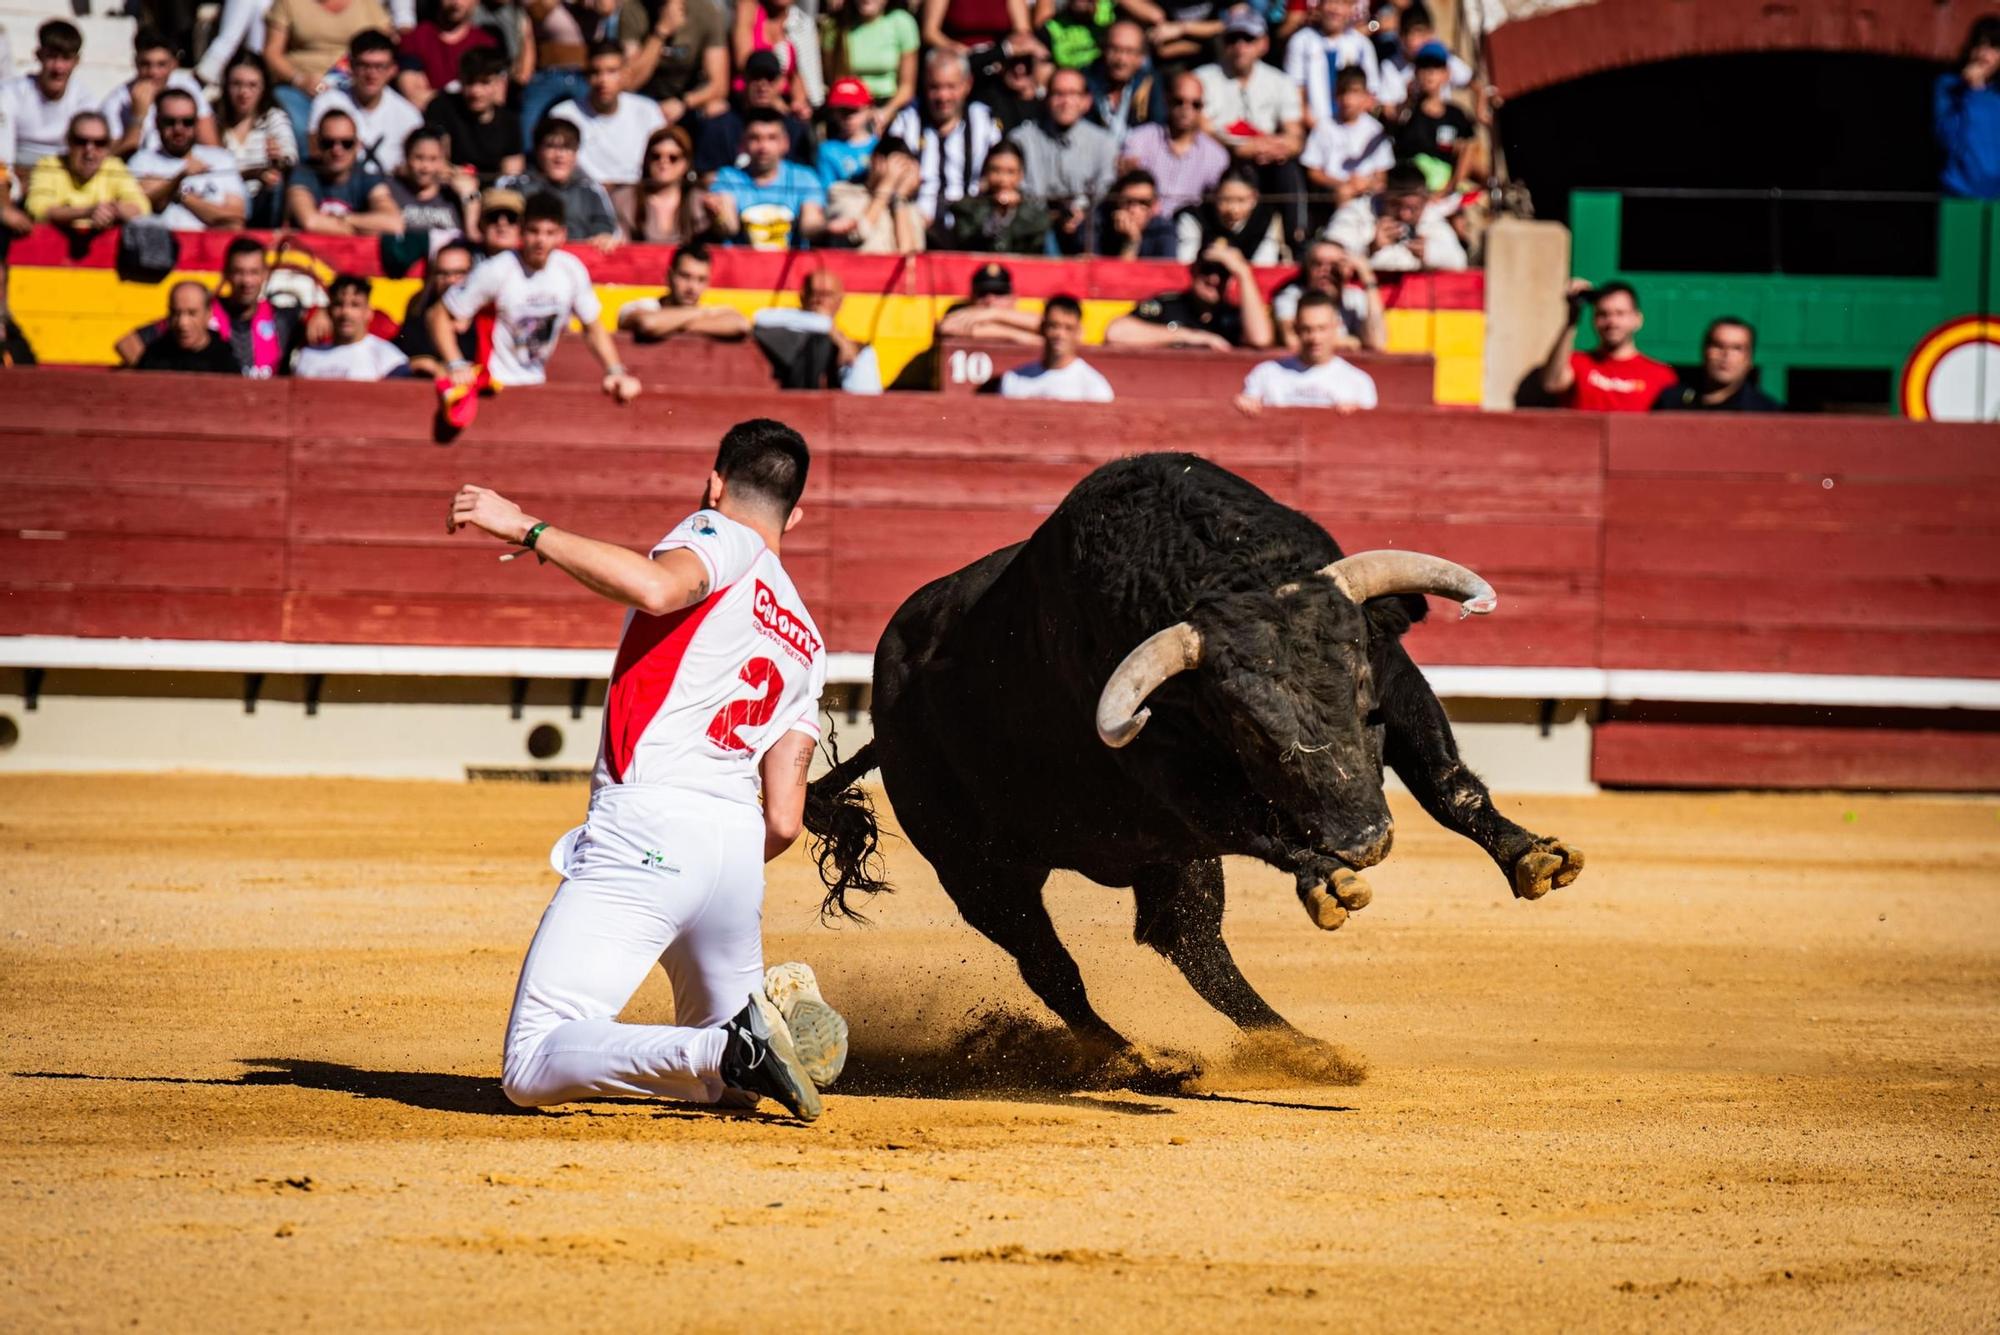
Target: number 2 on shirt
{"x": 758, "y": 673}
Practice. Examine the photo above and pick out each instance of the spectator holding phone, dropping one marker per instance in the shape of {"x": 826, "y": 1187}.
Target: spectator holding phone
{"x": 258, "y": 134}
{"x": 1966, "y": 107}
{"x": 1613, "y": 377}
{"x": 1400, "y": 229}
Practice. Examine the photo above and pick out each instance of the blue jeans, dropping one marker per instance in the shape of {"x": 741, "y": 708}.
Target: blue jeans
{"x": 298, "y": 105}
{"x": 547, "y": 88}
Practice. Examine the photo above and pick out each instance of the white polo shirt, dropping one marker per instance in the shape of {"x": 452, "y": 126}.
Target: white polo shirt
{"x": 1290, "y": 383}
{"x": 1079, "y": 382}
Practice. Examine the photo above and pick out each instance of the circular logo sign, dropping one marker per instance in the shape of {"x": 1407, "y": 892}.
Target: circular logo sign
{"x": 1954, "y": 375}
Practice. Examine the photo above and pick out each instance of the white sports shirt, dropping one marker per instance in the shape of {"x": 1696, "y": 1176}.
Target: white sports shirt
{"x": 530, "y": 310}
{"x": 698, "y": 696}
{"x": 1290, "y": 383}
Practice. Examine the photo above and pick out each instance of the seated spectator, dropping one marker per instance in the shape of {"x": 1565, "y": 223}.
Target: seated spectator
{"x": 1348, "y": 153}
{"x": 720, "y": 143}
{"x": 262, "y": 334}
{"x": 614, "y": 123}
{"x": 1017, "y": 97}
{"x": 1256, "y": 111}
{"x": 533, "y": 293}
{"x": 191, "y": 186}
{"x": 1613, "y": 377}
{"x": 304, "y": 40}
{"x": 86, "y": 189}
{"x": 433, "y": 51}
{"x": 972, "y": 28}
{"x": 679, "y": 309}
{"x": 1356, "y": 294}
{"x": 849, "y": 139}
{"x": 585, "y": 204}
{"x": 990, "y": 313}
{"x": 481, "y": 132}
{"x": 1061, "y": 373}
{"x": 877, "y": 46}
{"x": 807, "y": 348}
{"x": 1201, "y": 316}
{"x": 1188, "y": 34}
{"x": 560, "y": 33}
{"x": 879, "y": 215}
{"x": 1314, "y": 377}
{"x": 1124, "y": 91}
{"x": 1398, "y": 69}
{"x": 258, "y": 135}
{"x": 1726, "y": 383}
{"x": 769, "y": 203}
{"x": 129, "y": 108}
{"x": 382, "y": 117}
{"x": 335, "y": 197}
{"x": 354, "y": 353}
{"x": 39, "y": 107}
{"x": 1436, "y": 136}
{"x": 499, "y": 227}
{"x": 1076, "y": 31}
{"x": 431, "y": 195}
{"x": 1130, "y": 225}
{"x": 1965, "y": 109}
{"x": 447, "y": 268}
{"x": 999, "y": 219}
{"x": 679, "y": 56}
{"x": 189, "y": 344}
{"x": 763, "y": 27}
{"x": 1235, "y": 216}
{"x": 1400, "y": 229}
{"x": 951, "y": 138}
{"x": 1067, "y": 162}
{"x": 1183, "y": 158}
{"x": 669, "y": 208}
{"x": 1327, "y": 47}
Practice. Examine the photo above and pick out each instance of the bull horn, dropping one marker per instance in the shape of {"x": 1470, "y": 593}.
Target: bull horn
{"x": 1121, "y": 710}
{"x": 1368, "y": 575}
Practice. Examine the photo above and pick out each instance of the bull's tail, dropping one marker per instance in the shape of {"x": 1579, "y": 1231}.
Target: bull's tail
{"x": 846, "y": 834}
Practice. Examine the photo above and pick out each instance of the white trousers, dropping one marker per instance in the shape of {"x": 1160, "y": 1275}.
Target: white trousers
{"x": 654, "y": 875}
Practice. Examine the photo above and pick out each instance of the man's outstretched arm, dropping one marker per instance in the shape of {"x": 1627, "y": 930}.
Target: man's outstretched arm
{"x": 655, "y": 585}
{"x": 784, "y": 770}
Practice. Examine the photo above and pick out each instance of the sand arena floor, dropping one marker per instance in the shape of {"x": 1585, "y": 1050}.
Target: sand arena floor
{"x": 1744, "y": 1074}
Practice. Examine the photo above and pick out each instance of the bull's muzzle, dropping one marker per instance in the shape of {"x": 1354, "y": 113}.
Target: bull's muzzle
{"x": 1371, "y": 846}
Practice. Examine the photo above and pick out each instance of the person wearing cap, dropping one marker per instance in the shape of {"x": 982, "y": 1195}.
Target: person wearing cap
{"x": 481, "y": 131}
{"x": 991, "y": 313}
{"x": 1067, "y": 161}
{"x": 1432, "y": 133}
{"x": 1201, "y": 316}
{"x": 585, "y": 203}
{"x": 614, "y": 124}
{"x": 844, "y": 152}
{"x": 1062, "y": 374}
{"x": 878, "y": 216}
{"x": 1256, "y": 111}
{"x": 721, "y": 141}
{"x": 500, "y": 220}
{"x": 1398, "y": 67}
{"x": 768, "y": 203}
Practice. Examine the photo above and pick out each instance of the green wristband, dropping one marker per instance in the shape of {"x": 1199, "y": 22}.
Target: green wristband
{"x": 533, "y": 536}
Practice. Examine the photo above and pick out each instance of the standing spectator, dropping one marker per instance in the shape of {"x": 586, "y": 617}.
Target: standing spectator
{"x": 771, "y": 203}
{"x": 447, "y": 267}
{"x": 533, "y": 293}
{"x": 721, "y": 140}
{"x": 86, "y": 189}
{"x": 1398, "y": 69}
{"x": 480, "y": 130}
{"x": 191, "y": 186}
{"x": 1966, "y": 112}
{"x": 1257, "y": 112}
{"x": 1400, "y": 229}
{"x": 1130, "y": 226}
{"x": 433, "y": 197}
{"x": 879, "y": 216}
{"x": 432, "y": 52}
{"x": 1320, "y": 53}
{"x": 499, "y": 221}
{"x": 382, "y": 116}
{"x": 562, "y": 31}
{"x": 1124, "y": 92}
{"x": 335, "y": 197}
{"x": 258, "y": 135}
{"x": 999, "y": 218}
{"x": 991, "y": 312}
{"x": 669, "y": 208}
{"x": 303, "y": 39}
{"x": 682, "y": 59}
{"x": 761, "y": 26}
{"x": 951, "y": 137}
{"x": 1432, "y": 133}
{"x": 878, "y": 46}
{"x": 1184, "y": 158}
{"x": 189, "y": 344}
{"x": 1349, "y": 152}
{"x": 679, "y": 309}
{"x": 41, "y": 105}
{"x": 849, "y": 139}
{"x": 1201, "y": 316}
{"x": 1314, "y": 377}
{"x": 585, "y": 204}
{"x": 354, "y": 353}
{"x": 1356, "y": 293}
{"x": 614, "y": 124}
{"x": 1235, "y": 216}
{"x": 1067, "y": 162}
{"x": 1613, "y": 377}
{"x": 129, "y": 108}
{"x": 1062, "y": 373}
{"x": 1725, "y": 384}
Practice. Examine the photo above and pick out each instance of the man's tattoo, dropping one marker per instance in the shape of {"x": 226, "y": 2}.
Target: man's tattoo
{"x": 700, "y": 591}
{"x": 805, "y": 762}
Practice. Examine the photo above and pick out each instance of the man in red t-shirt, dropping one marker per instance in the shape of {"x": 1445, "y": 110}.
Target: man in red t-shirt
{"x": 431, "y": 51}
{"x": 1614, "y": 377}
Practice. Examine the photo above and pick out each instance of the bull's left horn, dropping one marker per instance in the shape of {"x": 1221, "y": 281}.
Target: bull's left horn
{"x": 1366, "y": 575}
{"x": 1121, "y": 710}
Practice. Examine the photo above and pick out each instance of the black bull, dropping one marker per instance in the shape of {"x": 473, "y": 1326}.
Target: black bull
{"x": 1006, "y": 694}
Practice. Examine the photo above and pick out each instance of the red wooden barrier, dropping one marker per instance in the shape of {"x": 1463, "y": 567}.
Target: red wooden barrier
{"x": 968, "y": 366}
{"x": 685, "y": 362}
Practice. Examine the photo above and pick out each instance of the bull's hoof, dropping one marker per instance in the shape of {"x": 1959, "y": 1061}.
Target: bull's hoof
{"x": 1549, "y": 864}
{"x": 1328, "y": 905}
{"x": 1144, "y": 1072}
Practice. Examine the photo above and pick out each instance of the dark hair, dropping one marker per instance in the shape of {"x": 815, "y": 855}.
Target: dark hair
{"x": 166, "y": 93}
{"x": 1351, "y": 77}
{"x": 332, "y": 112}
{"x": 1985, "y": 31}
{"x": 1613, "y": 289}
{"x": 1063, "y": 301}
{"x": 266, "y": 100}
{"x": 544, "y": 207}
{"x": 456, "y": 243}
{"x": 690, "y": 250}
{"x": 1008, "y": 148}
{"x": 1314, "y": 300}
{"x": 603, "y": 47}
{"x": 150, "y": 39}
{"x": 763, "y": 116}
{"x": 480, "y": 64}
{"x": 370, "y": 39}
{"x": 69, "y": 131}
{"x": 418, "y": 135}
{"x": 1721, "y": 320}
{"x": 349, "y": 282}
{"x": 1137, "y": 176}
{"x": 60, "y": 36}
{"x": 1240, "y": 175}
{"x": 1405, "y": 178}
{"x": 766, "y": 459}
{"x": 1416, "y": 16}
{"x": 889, "y": 145}
{"x": 243, "y": 245}
{"x": 552, "y": 127}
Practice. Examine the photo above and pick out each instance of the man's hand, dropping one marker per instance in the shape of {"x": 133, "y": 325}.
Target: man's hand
{"x": 15, "y": 220}
{"x": 479, "y": 507}
{"x": 1573, "y": 297}
{"x": 319, "y": 326}
{"x": 1248, "y": 406}
{"x": 1979, "y": 70}
{"x": 1221, "y": 252}
{"x": 621, "y": 388}
{"x": 1200, "y": 338}
{"x": 605, "y": 242}
{"x": 464, "y": 376}
{"x": 103, "y": 215}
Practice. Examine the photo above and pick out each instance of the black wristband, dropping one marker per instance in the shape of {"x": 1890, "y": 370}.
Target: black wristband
{"x": 531, "y": 537}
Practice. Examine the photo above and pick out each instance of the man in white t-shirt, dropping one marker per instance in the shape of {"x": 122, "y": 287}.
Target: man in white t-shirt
{"x": 192, "y": 187}
{"x": 1061, "y": 373}
{"x": 383, "y": 117}
{"x": 39, "y": 106}
{"x": 1315, "y": 377}
{"x": 130, "y": 109}
{"x": 354, "y": 354}
{"x": 533, "y": 292}
{"x": 614, "y": 124}
{"x": 713, "y": 704}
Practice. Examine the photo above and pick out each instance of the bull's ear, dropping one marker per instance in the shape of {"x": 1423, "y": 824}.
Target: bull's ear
{"x": 1390, "y": 617}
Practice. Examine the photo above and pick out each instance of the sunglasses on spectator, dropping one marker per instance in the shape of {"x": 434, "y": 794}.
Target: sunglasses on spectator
{"x": 374, "y": 64}
{"x": 337, "y": 143}
{"x": 502, "y": 216}
{"x": 1136, "y": 202}
{"x": 78, "y": 141}
{"x": 176, "y": 122}
{"x": 667, "y": 155}
{"x": 1229, "y": 37}
{"x": 1187, "y": 101}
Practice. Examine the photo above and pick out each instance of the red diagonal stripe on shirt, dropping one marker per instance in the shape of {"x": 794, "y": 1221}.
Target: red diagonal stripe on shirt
{"x": 649, "y": 658}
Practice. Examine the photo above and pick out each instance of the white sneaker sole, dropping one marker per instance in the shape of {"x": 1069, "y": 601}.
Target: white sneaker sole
{"x": 819, "y": 1032}
{"x": 787, "y": 1054}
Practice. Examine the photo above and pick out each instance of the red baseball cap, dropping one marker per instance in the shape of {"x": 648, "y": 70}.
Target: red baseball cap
{"x": 849, "y": 93}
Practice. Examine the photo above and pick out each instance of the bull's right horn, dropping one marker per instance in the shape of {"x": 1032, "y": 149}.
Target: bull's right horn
{"x": 1366, "y": 575}
{"x": 1121, "y": 710}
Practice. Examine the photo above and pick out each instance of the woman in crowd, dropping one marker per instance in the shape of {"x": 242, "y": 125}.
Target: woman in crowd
{"x": 878, "y": 216}
{"x": 1235, "y": 213}
{"x": 432, "y": 196}
{"x": 259, "y": 134}
{"x": 869, "y": 41}
{"x": 303, "y": 39}
{"x": 999, "y": 218}
{"x": 667, "y": 208}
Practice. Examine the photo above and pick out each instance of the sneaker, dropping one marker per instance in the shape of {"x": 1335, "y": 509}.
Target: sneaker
{"x": 819, "y": 1032}
{"x": 758, "y": 1058}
